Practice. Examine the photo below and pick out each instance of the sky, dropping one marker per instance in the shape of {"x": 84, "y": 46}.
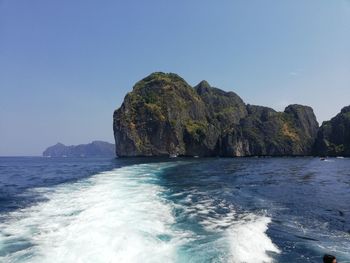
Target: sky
{"x": 65, "y": 66}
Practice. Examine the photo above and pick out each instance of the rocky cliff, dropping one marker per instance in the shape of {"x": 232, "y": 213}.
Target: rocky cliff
{"x": 164, "y": 115}
{"x": 94, "y": 149}
{"x": 333, "y": 137}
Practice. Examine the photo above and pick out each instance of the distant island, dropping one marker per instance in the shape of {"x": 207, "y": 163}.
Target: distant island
{"x": 164, "y": 116}
{"x": 94, "y": 149}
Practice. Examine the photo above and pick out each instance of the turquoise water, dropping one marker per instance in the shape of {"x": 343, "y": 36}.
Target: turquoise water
{"x": 174, "y": 210}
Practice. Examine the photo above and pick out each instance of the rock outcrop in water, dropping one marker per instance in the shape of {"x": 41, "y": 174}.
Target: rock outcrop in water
{"x": 164, "y": 115}
{"x": 94, "y": 149}
{"x": 333, "y": 137}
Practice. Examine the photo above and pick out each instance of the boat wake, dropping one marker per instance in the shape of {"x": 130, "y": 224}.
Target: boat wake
{"x": 249, "y": 242}
{"x": 235, "y": 237}
{"x": 123, "y": 216}
{"x": 115, "y": 216}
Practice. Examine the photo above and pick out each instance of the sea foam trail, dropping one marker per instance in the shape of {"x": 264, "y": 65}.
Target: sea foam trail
{"x": 115, "y": 216}
{"x": 245, "y": 238}
{"x": 242, "y": 237}
{"x": 249, "y": 242}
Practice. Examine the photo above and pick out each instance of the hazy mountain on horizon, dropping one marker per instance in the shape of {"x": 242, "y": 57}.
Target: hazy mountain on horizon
{"x": 93, "y": 149}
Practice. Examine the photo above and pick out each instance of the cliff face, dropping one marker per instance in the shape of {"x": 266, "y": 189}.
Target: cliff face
{"x": 267, "y": 132}
{"x": 333, "y": 137}
{"x": 94, "y": 149}
{"x": 164, "y": 115}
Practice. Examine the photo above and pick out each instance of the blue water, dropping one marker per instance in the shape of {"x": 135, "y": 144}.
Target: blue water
{"x": 174, "y": 210}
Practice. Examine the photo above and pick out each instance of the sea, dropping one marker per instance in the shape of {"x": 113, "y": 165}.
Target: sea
{"x": 106, "y": 210}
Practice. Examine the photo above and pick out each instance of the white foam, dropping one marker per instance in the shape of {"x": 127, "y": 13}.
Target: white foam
{"x": 243, "y": 237}
{"x": 249, "y": 242}
{"x": 116, "y": 216}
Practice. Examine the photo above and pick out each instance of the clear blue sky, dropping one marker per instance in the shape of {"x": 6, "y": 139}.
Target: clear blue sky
{"x": 66, "y": 65}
